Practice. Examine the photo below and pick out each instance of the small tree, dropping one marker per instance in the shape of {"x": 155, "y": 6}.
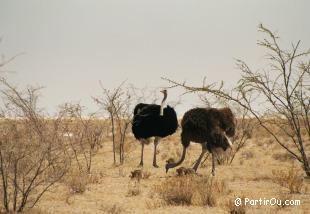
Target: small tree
{"x": 83, "y": 135}
{"x": 282, "y": 86}
{"x": 118, "y": 103}
{"x": 32, "y": 156}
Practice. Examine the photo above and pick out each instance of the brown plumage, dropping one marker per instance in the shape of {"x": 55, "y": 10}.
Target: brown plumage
{"x": 208, "y": 127}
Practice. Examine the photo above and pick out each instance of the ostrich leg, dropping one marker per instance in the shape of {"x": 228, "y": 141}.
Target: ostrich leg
{"x": 156, "y": 142}
{"x": 203, "y": 151}
{"x": 142, "y": 148}
{"x": 213, "y": 162}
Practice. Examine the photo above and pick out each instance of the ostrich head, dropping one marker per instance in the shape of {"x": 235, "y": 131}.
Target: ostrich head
{"x": 165, "y": 94}
{"x": 164, "y": 91}
{"x": 168, "y": 163}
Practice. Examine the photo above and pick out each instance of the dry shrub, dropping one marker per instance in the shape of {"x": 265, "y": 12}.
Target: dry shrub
{"x": 191, "y": 190}
{"x": 77, "y": 181}
{"x": 233, "y": 209}
{"x": 32, "y": 155}
{"x": 176, "y": 191}
{"x": 82, "y": 136}
{"x": 290, "y": 179}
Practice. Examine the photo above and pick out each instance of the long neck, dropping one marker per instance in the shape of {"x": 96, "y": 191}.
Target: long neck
{"x": 172, "y": 165}
{"x": 163, "y": 102}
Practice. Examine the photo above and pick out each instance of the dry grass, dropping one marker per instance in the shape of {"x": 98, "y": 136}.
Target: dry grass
{"x": 153, "y": 204}
{"x": 282, "y": 157}
{"x": 181, "y": 171}
{"x": 283, "y": 197}
{"x": 247, "y": 155}
{"x": 112, "y": 209}
{"x": 109, "y": 189}
{"x": 233, "y": 209}
{"x": 139, "y": 174}
{"x": 77, "y": 181}
{"x": 291, "y": 179}
{"x": 34, "y": 211}
{"x": 262, "y": 178}
{"x": 134, "y": 189}
{"x": 191, "y": 190}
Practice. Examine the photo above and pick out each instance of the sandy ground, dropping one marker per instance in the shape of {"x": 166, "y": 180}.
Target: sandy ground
{"x": 250, "y": 175}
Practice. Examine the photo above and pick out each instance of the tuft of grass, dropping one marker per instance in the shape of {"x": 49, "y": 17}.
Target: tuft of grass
{"x": 139, "y": 174}
{"x": 154, "y": 204}
{"x": 262, "y": 178}
{"x": 34, "y": 211}
{"x": 146, "y": 174}
{"x": 283, "y": 197}
{"x": 282, "y": 157}
{"x": 133, "y": 189}
{"x": 189, "y": 190}
{"x": 233, "y": 209}
{"x": 95, "y": 177}
{"x": 290, "y": 179}
{"x": 112, "y": 209}
{"x": 247, "y": 155}
{"x": 77, "y": 182}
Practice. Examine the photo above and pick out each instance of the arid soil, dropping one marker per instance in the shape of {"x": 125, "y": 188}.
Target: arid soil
{"x": 255, "y": 173}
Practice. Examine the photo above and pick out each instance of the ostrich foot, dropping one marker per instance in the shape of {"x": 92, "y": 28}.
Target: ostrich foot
{"x": 195, "y": 168}
{"x": 140, "y": 164}
{"x": 155, "y": 165}
{"x": 213, "y": 173}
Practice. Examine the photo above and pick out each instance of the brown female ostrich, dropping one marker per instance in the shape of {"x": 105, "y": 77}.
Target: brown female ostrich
{"x": 209, "y": 127}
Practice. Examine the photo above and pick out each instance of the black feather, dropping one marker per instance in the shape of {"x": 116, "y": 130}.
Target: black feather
{"x": 147, "y": 121}
{"x": 139, "y": 107}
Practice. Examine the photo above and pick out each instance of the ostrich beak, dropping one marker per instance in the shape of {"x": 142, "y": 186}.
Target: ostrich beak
{"x": 164, "y": 91}
{"x": 228, "y": 140}
{"x": 167, "y": 169}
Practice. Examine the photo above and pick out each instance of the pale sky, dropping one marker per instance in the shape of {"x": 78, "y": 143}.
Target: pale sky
{"x": 71, "y": 45}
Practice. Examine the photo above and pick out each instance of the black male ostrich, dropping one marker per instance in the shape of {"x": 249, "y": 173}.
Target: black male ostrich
{"x": 151, "y": 120}
{"x": 209, "y": 127}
